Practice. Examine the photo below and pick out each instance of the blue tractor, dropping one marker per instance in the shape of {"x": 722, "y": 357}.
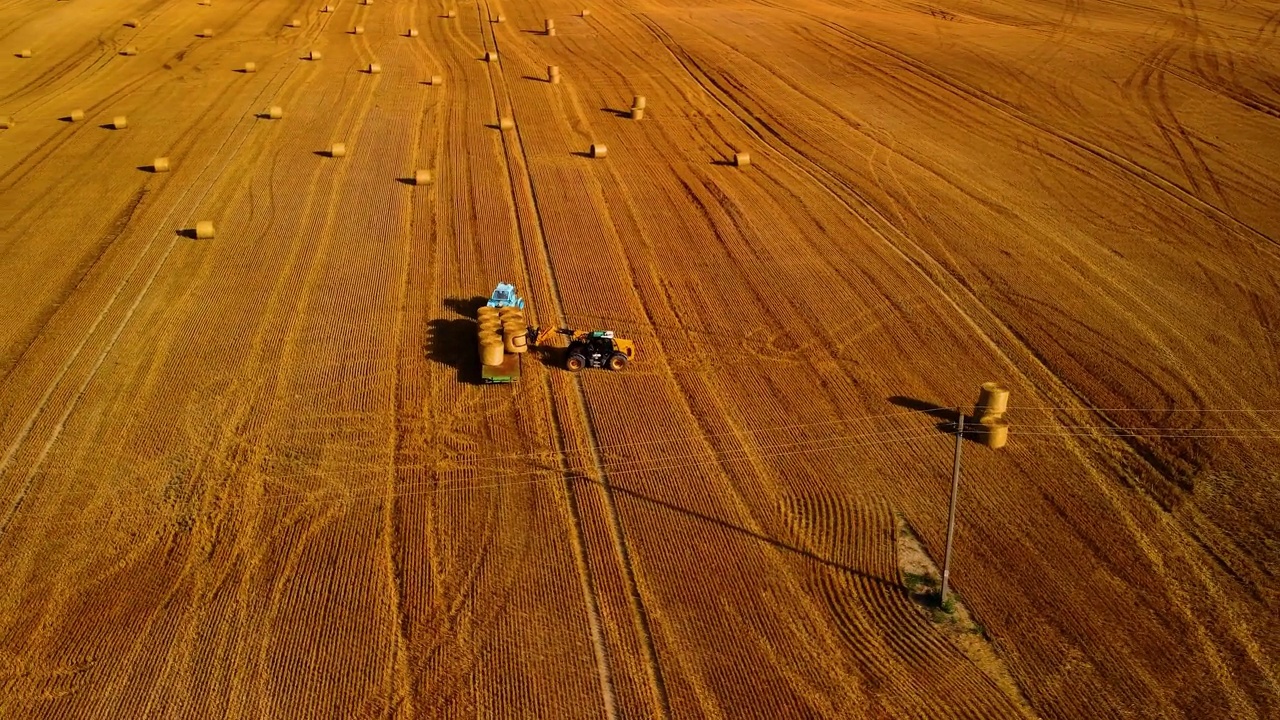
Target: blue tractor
{"x": 505, "y": 296}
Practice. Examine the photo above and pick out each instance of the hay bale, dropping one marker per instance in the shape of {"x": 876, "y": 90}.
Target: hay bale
{"x": 129, "y": 51}
{"x": 422, "y": 177}
{"x": 373, "y": 69}
{"x": 160, "y": 165}
{"x": 326, "y": 9}
{"x": 24, "y": 53}
{"x": 515, "y": 339}
{"x": 120, "y": 122}
{"x": 275, "y": 112}
{"x": 995, "y": 432}
{"x": 506, "y": 123}
{"x": 295, "y": 23}
{"x": 993, "y": 400}
{"x": 637, "y": 113}
{"x": 452, "y": 14}
{"x": 6, "y": 122}
{"x": 585, "y": 13}
{"x": 413, "y": 32}
{"x": 491, "y": 353}
{"x": 132, "y": 23}
{"x": 357, "y": 30}
{"x": 598, "y": 150}
{"x": 551, "y": 32}
{"x": 251, "y": 67}
{"x": 742, "y": 159}
{"x": 500, "y": 19}
{"x": 437, "y": 80}
{"x": 490, "y": 56}
{"x": 489, "y": 327}
{"x": 337, "y": 150}
{"x": 76, "y": 115}
{"x": 204, "y": 230}
{"x": 366, "y": 2}
{"x": 508, "y": 312}
{"x": 315, "y": 55}
{"x": 549, "y": 24}
{"x": 639, "y": 102}
{"x": 553, "y": 74}
{"x": 486, "y": 311}
{"x": 206, "y": 33}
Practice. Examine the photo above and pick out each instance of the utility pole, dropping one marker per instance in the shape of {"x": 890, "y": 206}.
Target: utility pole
{"x": 951, "y": 512}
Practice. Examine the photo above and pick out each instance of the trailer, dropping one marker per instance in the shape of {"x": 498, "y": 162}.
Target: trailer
{"x": 507, "y": 372}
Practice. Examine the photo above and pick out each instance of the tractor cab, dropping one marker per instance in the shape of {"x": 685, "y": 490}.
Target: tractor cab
{"x": 505, "y": 296}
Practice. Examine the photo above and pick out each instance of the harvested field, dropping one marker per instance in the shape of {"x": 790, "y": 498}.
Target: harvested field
{"x": 252, "y": 473}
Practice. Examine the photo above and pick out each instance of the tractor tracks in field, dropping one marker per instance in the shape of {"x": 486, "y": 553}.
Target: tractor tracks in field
{"x": 1003, "y": 339}
{"x": 537, "y": 251}
{"x": 112, "y": 302}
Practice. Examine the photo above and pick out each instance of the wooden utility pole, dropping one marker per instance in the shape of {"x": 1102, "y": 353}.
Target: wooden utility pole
{"x": 951, "y": 512}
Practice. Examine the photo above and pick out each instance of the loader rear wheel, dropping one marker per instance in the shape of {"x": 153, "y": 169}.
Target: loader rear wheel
{"x": 575, "y": 362}
{"x": 617, "y": 361}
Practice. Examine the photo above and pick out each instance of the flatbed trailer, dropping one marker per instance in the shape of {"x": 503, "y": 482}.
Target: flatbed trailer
{"x": 507, "y": 372}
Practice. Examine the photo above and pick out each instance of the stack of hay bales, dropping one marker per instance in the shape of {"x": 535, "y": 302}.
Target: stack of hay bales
{"x": 515, "y": 333}
{"x": 553, "y": 74}
{"x": 993, "y": 401}
{"x": 550, "y": 27}
{"x": 637, "y": 107}
{"x": 133, "y": 23}
{"x": 491, "y": 345}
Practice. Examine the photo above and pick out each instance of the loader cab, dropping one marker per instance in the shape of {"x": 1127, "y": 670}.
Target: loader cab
{"x": 599, "y": 349}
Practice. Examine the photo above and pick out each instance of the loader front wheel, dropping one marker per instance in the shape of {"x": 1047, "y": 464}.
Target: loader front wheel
{"x": 575, "y": 362}
{"x": 617, "y": 361}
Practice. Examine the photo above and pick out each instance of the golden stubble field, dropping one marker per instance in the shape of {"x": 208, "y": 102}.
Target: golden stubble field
{"x": 252, "y": 476}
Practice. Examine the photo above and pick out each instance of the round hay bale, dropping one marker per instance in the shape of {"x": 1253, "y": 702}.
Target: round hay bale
{"x": 742, "y": 159}
{"x": 993, "y": 400}
{"x": 491, "y": 353}
{"x": 206, "y": 33}
{"x": 295, "y": 23}
{"x": 76, "y": 115}
{"x": 500, "y": 19}
{"x": 357, "y": 30}
{"x": 599, "y": 151}
{"x": 327, "y": 9}
{"x": 374, "y": 68}
{"x": 160, "y": 165}
{"x": 437, "y": 80}
{"x": 251, "y": 67}
{"x": 413, "y": 32}
{"x": 506, "y": 123}
{"x": 995, "y": 431}
{"x": 315, "y": 55}
{"x": 204, "y": 230}
{"x": 366, "y": 2}
{"x": 452, "y": 14}
{"x": 120, "y": 122}
{"x": 129, "y": 51}
{"x": 338, "y": 150}
{"x": 639, "y": 102}
{"x": 275, "y": 112}
{"x": 6, "y": 123}
{"x": 586, "y": 13}
{"x": 553, "y": 74}
{"x": 489, "y": 326}
{"x": 421, "y": 177}
{"x": 24, "y": 53}
{"x": 515, "y": 340}
{"x": 549, "y": 24}
{"x": 637, "y": 113}
{"x": 133, "y": 23}
{"x": 551, "y": 32}
{"x": 507, "y": 311}
{"x": 490, "y": 56}
{"x": 486, "y": 311}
